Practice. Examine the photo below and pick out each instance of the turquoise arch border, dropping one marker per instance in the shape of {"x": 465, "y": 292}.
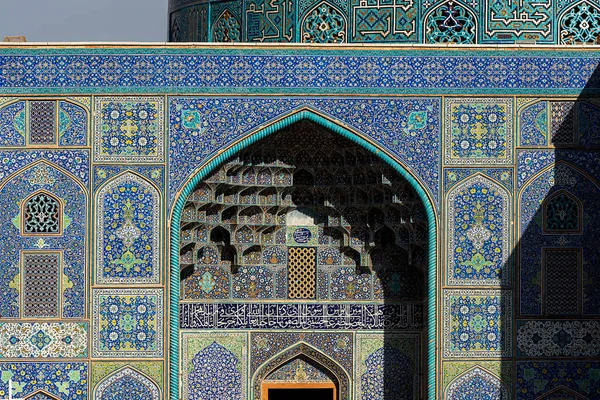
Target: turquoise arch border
{"x": 287, "y": 121}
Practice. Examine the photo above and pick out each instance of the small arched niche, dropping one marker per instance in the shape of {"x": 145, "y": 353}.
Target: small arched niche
{"x": 301, "y": 368}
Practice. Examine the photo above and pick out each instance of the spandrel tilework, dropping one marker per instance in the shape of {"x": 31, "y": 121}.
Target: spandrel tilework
{"x": 447, "y": 198}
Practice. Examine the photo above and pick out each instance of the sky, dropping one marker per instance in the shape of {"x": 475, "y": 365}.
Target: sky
{"x": 85, "y": 20}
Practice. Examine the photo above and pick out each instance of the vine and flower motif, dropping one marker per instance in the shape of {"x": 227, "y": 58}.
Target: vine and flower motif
{"x": 451, "y": 23}
{"x": 227, "y": 28}
{"x": 324, "y": 24}
{"x": 581, "y": 24}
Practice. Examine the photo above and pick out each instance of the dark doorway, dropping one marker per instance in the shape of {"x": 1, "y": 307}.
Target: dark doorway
{"x": 300, "y": 394}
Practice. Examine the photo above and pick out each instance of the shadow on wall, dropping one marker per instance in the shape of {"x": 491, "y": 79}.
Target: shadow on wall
{"x": 544, "y": 321}
{"x": 557, "y": 263}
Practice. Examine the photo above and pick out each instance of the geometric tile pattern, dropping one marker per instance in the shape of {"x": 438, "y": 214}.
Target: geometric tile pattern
{"x": 477, "y": 323}
{"x": 533, "y": 123}
{"x": 128, "y": 322}
{"x": 478, "y": 131}
{"x": 129, "y": 129}
{"x": 557, "y": 265}
{"x": 128, "y": 231}
{"x": 41, "y": 340}
{"x": 42, "y": 120}
{"x": 41, "y": 277}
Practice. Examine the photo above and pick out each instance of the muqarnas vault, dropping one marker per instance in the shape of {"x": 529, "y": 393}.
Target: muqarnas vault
{"x": 349, "y": 222}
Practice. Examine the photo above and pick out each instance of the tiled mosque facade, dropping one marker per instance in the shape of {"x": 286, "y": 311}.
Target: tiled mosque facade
{"x": 382, "y": 221}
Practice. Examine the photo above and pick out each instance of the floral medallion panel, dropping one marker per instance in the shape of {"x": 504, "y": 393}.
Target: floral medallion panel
{"x": 478, "y": 131}
{"x": 128, "y": 323}
{"x": 129, "y": 129}
{"x": 478, "y": 220}
{"x": 477, "y": 323}
{"x": 128, "y": 231}
{"x": 547, "y": 338}
{"x": 388, "y": 363}
{"x": 41, "y": 340}
{"x": 44, "y": 225}
{"x": 213, "y": 365}
{"x": 65, "y": 381}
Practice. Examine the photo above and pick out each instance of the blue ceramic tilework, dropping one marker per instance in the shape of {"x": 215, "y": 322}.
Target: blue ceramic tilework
{"x": 381, "y": 21}
{"x": 561, "y": 177}
{"x": 127, "y": 383}
{"x": 478, "y": 233}
{"x": 214, "y": 365}
{"x": 273, "y": 21}
{"x": 337, "y": 345}
{"x": 406, "y": 127}
{"x": 128, "y": 231}
{"x": 43, "y": 340}
{"x": 399, "y": 355}
{"x": 253, "y": 282}
{"x": 478, "y": 131}
{"x": 154, "y": 174}
{"x": 477, "y": 383}
{"x": 531, "y": 162}
{"x": 72, "y": 124}
{"x": 300, "y": 316}
{"x": 503, "y": 176}
{"x": 588, "y": 124}
{"x": 12, "y": 124}
{"x": 304, "y": 72}
{"x": 43, "y": 176}
{"x": 533, "y": 124}
{"x": 537, "y": 378}
{"x": 129, "y": 129}
{"x": 77, "y": 162}
{"x": 68, "y": 381}
{"x": 547, "y": 338}
{"x": 128, "y": 322}
{"x": 477, "y": 323}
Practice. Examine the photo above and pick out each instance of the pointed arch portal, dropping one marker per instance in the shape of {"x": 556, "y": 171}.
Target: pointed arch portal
{"x": 209, "y": 167}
